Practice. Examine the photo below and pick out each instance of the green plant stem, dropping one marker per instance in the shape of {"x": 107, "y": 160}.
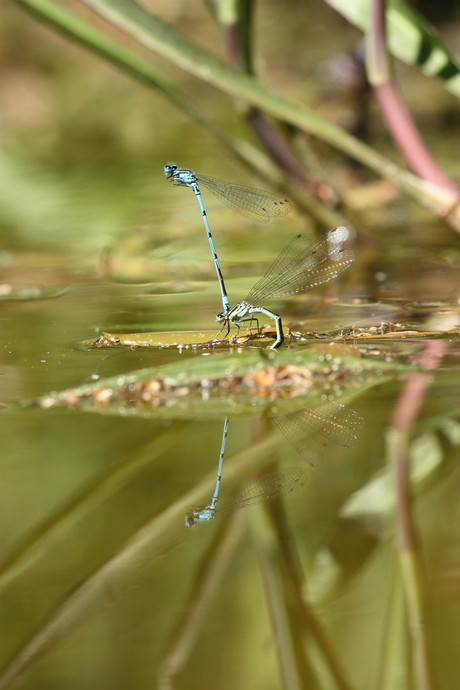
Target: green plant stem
{"x": 79, "y": 31}
{"x": 412, "y": 578}
{"x": 208, "y": 577}
{"x": 158, "y": 36}
{"x": 410, "y": 38}
{"x": 236, "y": 27}
{"x": 377, "y": 59}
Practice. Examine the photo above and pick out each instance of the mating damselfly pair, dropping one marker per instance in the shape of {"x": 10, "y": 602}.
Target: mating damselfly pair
{"x": 302, "y": 265}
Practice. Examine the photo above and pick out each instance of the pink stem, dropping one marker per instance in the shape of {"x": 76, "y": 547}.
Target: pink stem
{"x": 407, "y": 137}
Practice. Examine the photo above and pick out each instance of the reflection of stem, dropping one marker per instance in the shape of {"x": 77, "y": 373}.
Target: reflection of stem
{"x": 27, "y": 550}
{"x": 208, "y": 577}
{"x": 307, "y": 619}
{"x": 398, "y": 441}
{"x": 394, "y": 112}
{"x": 293, "y": 620}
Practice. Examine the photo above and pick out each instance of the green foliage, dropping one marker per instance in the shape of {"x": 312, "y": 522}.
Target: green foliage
{"x": 410, "y": 38}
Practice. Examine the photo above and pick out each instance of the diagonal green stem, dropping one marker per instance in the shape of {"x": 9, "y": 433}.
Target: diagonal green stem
{"x": 80, "y": 31}
{"x": 162, "y": 38}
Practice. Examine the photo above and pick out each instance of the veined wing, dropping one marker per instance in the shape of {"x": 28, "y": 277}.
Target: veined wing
{"x": 268, "y": 486}
{"x": 310, "y": 430}
{"x": 303, "y": 265}
{"x": 255, "y": 204}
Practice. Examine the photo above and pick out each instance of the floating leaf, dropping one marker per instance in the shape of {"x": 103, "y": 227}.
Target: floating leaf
{"x": 185, "y": 340}
{"x": 264, "y": 336}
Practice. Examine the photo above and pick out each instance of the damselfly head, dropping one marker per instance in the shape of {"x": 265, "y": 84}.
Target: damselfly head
{"x": 223, "y": 316}
{"x": 170, "y": 169}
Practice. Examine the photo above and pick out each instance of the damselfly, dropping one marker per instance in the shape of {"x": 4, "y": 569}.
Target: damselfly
{"x": 268, "y": 486}
{"x": 309, "y": 430}
{"x": 302, "y": 265}
{"x": 256, "y": 204}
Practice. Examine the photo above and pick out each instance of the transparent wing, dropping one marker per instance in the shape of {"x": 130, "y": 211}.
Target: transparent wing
{"x": 303, "y": 265}
{"x": 268, "y": 486}
{"x": 311, "y": 430}
{"x": 255, "y": 204}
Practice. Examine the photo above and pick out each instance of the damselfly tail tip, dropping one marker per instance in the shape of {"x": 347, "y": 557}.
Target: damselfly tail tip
{"x": 197, "y": 514}
{"x": 190, "y": 519}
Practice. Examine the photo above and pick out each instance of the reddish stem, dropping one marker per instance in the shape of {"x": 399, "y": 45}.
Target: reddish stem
{"x": 404, "y": 417}
{"x": 407, "y": 137}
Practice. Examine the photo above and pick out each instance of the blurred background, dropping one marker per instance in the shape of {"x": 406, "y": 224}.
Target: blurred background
{"x": 93, "y": 239}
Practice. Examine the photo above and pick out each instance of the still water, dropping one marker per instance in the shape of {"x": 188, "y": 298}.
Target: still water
{"x": 93, "y": 506}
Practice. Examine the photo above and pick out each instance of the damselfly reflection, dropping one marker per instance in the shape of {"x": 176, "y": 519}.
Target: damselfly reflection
{"x": 309, "y": 430}
{"x": 268, "y": 486}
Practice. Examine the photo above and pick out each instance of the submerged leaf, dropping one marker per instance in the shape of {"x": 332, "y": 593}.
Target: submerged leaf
{"x": 220, "y": 385}
{"x": 28, "y": 293}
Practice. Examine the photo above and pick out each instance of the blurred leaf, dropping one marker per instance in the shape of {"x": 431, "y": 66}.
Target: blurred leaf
{"x": 377, "y": 497}
{"x": 410, "y": 38}
{"x": 157, "y": 35}
{"x": 451, "y": 429}
{"x": 324, "y": 576}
